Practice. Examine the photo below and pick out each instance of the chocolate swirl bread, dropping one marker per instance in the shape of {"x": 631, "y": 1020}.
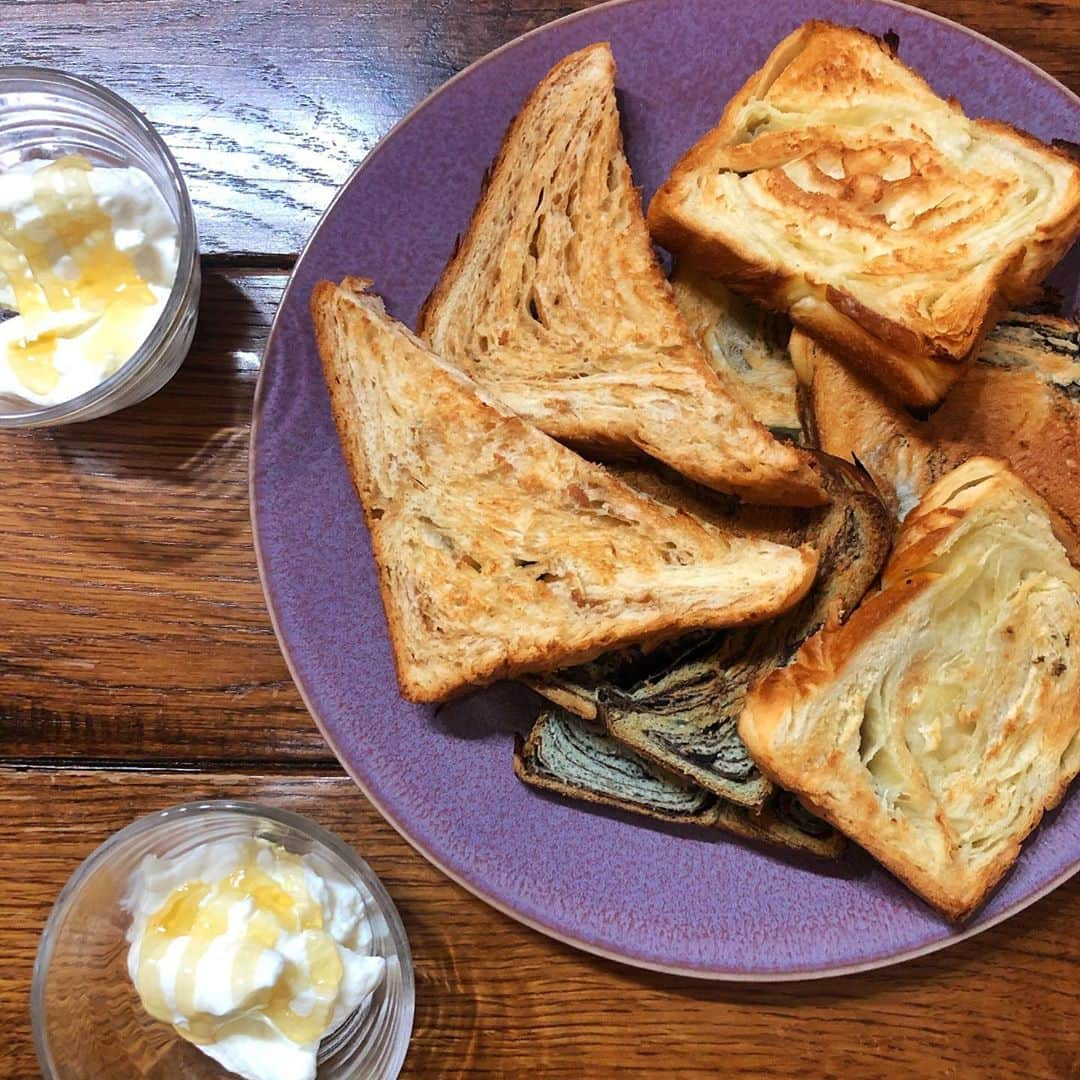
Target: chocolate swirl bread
{"x": 1020, "y": 401}
{"x": 576, "y": 759}
{"x": 839, "y": 188}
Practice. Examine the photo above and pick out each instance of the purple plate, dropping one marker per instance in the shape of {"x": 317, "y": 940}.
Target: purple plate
{"x": 655, "y": 896}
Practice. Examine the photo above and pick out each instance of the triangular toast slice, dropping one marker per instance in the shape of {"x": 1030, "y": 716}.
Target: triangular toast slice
{"x": 838, "y": 187}
{"x": 1019, "y": 400}
{"x": 555, "y": 302}
{"x": 939, "y": 723}
{"x": 499, "y": 550}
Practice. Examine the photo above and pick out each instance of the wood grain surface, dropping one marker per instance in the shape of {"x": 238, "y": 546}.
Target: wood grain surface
{"x": 269, "y": 106}
{"x": 495, "y": 999}
{"x": 137, "y": 663}
{"x": 128, "y": 576}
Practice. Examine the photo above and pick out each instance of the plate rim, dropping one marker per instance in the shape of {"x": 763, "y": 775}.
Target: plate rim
{"x": 702, "y": 974}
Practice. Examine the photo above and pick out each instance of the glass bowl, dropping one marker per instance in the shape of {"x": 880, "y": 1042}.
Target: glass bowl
{"x": 87, "y": 1017}
{"x": 46, "y": 114}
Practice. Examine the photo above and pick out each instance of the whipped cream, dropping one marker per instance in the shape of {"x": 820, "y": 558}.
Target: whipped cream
{"x": 250, "y": 952}
{"x": 88, "y": 257}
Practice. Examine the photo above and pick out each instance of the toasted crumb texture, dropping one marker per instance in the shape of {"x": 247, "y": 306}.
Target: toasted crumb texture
{"x": 838, "y": 187}
{"x": 1019, "y": 400}
{"x": 499, "y": 550}
{"x": 555, "y": 302}
{"x": 942, "y": 720}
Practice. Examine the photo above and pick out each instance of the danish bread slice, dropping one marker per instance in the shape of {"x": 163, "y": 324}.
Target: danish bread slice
{"x": 678, "y": 704}
{"x": 942, "y": 720}
{"x": 499, "y": 550}
{"x": 838, "y": 187}
{"x": 555, "y": 302}
{"x": 1019, "y": 400}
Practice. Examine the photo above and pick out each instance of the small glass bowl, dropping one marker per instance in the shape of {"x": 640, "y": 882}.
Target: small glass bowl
{"x": 45, "y": 114}
{"x": 86, "y": 1014}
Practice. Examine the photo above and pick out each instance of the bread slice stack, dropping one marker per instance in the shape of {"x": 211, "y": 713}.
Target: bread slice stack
{"x": 663, "y": 719}
{"x": 499, "y": 550}
{"x": 839, "y": 188}
{"x": 678, "y": 704}
{"x": 703, "y": 618}
{"x": 576, "y": 759}
{"x": 554, "y": 301}
{"x": 940, "y": 723}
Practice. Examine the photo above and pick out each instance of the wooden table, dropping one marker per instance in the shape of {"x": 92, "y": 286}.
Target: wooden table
{"x": 137, "y": 663}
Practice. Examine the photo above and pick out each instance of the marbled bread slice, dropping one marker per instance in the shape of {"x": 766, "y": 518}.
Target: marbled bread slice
{"x": 1019, "y": 400}
{"x": 678, "y": 703}
{"x": 747, "y": 345}
{"x": 573, "y": 758}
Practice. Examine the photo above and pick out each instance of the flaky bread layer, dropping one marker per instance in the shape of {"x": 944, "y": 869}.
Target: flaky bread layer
{"x": 554, "y": 301}
{"x": 938, "y": 725}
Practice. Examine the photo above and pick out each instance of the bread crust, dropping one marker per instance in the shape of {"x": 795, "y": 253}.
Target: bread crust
{"x": 916, "y": 356}
{"x": 580, "y": 614}
{"x": 819, "y": 768}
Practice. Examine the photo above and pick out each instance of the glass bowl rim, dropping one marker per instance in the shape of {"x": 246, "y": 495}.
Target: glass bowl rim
{"x": 171, "y": 317}
{"x": 193, "y": 810}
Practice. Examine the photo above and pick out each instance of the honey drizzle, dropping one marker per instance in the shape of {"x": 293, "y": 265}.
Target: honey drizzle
{"x": 198, "y": 913}
{"x": 106, "y": 293}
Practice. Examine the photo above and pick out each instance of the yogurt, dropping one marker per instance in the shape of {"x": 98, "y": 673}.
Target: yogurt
{"x": 250, "y": 952}
{"x": 88, "y": 257}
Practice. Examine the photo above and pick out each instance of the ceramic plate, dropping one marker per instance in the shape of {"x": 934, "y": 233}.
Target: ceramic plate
{"x": 663, "y": 897}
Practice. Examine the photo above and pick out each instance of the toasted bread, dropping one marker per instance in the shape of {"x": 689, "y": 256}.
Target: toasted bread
{"x": 555, "y": 302}
{"x": 573, "y": 758}
{"x": 746, "y": 345}
{"x": 678, "y": 703}
{"x": 1020, "y": 401}
{"x": 838, "y": 187}
{"x": 499, "y": 550}
{"x": 942, "y": 720}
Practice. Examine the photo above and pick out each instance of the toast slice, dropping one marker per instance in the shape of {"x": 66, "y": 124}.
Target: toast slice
{"x": 555, "y": 302}
{"x": 499, "y": 550}
{"x": 942, "y": 720}
{"x": 573, "y": 758}
{"x": 838, "y": 187}
{"x": 1019, "y": 400}
{"x": 678, "y": 704}
{"x": 747, "y": 345}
